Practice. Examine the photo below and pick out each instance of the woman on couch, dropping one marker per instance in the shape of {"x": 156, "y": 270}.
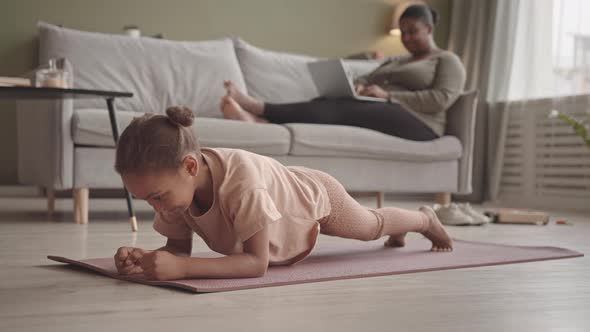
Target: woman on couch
{"x": 419, "y": 87}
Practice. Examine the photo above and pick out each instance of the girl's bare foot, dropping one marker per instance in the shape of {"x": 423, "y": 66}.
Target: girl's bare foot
{"x": 232, "y": 111}
{"x": 396, "y": 241}
{"x": 435, "y": 232}
{"x": 248, "y": 103}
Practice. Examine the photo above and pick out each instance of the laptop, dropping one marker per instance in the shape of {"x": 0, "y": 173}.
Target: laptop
{"x": 333, "y": 81}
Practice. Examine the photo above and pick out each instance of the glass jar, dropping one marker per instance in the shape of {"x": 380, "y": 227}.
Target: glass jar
{"x": 52, "y": 77}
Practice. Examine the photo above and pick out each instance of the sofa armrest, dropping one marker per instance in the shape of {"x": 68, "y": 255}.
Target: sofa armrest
{"x": 44, "y": 141}
{"x": 461, "y": 124}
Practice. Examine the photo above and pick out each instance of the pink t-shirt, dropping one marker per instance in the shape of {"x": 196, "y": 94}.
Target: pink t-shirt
{"x": 252, "y": 192}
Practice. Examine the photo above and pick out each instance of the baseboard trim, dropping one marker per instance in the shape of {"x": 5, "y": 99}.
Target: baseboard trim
{"x": 33, "y": 191}
{"x": 20, "y": 191}
{"x": 409, "y": 197}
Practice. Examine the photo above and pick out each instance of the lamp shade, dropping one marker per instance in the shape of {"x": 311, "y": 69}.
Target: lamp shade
{"x": 400, "y": 8}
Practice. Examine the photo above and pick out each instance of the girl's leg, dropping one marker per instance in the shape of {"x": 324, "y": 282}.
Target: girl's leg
{"x": 349, "y": 219}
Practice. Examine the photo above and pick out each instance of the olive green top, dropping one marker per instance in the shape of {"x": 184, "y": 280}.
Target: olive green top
{"x": 426, "y": 87}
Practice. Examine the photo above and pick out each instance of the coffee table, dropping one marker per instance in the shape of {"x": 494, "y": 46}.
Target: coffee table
{"x": 18, "y": 92}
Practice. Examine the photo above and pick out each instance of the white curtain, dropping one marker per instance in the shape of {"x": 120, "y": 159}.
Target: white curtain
{"x": 520, "y": 68}
{"x": 481, "y": 34}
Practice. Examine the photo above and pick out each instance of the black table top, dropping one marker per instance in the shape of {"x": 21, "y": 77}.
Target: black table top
{"x": 26, "y": 92}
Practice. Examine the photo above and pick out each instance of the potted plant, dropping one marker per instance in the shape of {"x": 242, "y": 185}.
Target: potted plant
{"x": 580, "y": 127}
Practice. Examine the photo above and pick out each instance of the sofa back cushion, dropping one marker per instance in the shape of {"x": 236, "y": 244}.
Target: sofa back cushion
{"x": 275, "y": 77}
{"x": 279, "y": 77}
{"x": 159, "y": 73}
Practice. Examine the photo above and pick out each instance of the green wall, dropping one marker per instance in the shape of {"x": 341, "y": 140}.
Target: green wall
{"x": 315, "y": 27}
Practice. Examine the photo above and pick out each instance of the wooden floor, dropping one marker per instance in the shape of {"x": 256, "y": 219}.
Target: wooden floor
{"x": 39, "y": 295}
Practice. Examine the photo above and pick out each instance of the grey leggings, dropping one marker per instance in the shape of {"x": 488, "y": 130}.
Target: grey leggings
{"x": 391, "y": 119}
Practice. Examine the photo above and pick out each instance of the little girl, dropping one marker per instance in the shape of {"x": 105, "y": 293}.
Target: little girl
{"x": 248, "y": 207}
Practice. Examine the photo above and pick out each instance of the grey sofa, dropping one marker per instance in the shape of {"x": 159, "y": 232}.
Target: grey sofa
{"x": 69, "y": 144}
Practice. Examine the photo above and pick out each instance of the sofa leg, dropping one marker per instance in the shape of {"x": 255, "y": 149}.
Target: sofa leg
{"x": 380, "y": 199}
{"x": 443, "y": 198}
{"x": 50, "y": 193}
{"x": 81, "y": 205}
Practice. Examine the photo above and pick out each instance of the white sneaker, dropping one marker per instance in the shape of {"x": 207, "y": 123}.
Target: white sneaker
{"x": 452, "y": 215}
{"x": 478, "y": 218}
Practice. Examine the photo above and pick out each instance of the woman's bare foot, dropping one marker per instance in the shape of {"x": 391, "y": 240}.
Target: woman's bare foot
{"x": 396, "y": 241}
{"x": 248, "y": 103}
{"x": 232, "y": 111}
{"x": 435, "y": 232}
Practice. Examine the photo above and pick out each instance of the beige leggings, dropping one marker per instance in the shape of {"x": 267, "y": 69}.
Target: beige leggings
{"x": 349, "y": 219}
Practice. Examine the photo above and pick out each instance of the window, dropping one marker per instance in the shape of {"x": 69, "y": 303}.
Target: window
{"x": 571, "y": 47}
{"x": 544, "y": 162}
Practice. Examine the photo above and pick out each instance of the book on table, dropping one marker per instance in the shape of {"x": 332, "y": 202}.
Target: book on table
{"x": 518, "y": 216}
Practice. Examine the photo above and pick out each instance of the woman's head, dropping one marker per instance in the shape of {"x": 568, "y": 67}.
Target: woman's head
{"x": 417, "y": 24}
{"x": 158, "y": 158}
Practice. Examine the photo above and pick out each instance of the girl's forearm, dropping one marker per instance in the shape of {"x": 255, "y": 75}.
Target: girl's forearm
{"x": 175, "y": 250}
{"x": 178, "y": 247}
{"x": 234, "y": 266}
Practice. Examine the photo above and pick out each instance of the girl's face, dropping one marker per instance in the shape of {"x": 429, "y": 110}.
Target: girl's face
{"x": 416, "y": 35}
{"x": 170, "y": 192}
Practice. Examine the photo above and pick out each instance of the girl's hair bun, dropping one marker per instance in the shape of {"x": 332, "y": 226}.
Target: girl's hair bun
{"x": 181, "y": 115}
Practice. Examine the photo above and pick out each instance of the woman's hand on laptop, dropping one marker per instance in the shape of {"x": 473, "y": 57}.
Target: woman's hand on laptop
{"x": 373, "y": 91}
{"x": 359, "y": 88}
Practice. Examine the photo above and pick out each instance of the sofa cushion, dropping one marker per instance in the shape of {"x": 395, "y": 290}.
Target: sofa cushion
{"x": 356, "y": 142}
{"x": 91, "y": 127}
{"x": 275, "y": 77}
{"x": 160, "y": 73}
{"x": 278, "y": 77}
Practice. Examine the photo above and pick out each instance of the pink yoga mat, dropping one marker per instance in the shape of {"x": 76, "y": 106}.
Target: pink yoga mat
{"x": 352, "y": 259}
